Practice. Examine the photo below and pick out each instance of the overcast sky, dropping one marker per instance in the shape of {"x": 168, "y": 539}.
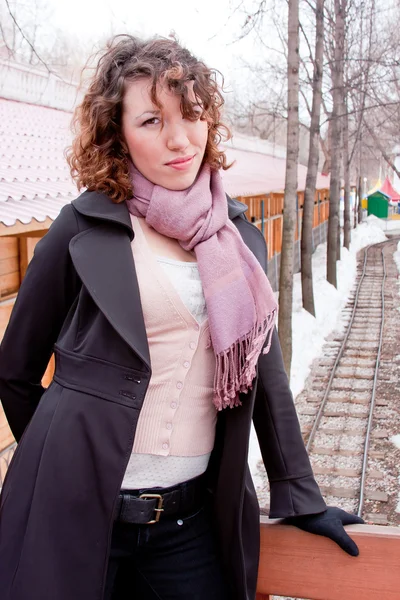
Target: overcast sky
{"x": 206, "y": 27}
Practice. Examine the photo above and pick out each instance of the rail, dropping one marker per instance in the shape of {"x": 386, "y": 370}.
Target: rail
{"x": 320, "y": 413}
{"x": 301, "y": 565}
{"x": 373, "y": 395}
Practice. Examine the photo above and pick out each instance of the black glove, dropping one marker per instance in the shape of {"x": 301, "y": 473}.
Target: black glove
{"x": 330, "y": 524}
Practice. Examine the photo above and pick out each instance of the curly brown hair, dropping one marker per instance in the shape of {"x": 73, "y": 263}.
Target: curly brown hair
{"x": 98, "y": 158}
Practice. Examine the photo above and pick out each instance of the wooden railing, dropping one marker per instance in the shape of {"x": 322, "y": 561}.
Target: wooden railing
{"x": 266, "y": 212}
{"x": 300, "y": 565}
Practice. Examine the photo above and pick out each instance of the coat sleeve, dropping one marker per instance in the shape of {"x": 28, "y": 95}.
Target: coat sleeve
{"x": 45, "y": 296}
{"x": 294, "y": 490}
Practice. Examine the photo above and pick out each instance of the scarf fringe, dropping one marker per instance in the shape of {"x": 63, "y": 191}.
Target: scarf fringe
{"x": 236, "y": 366}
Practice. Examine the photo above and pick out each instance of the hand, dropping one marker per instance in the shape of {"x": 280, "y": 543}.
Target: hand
{"x": 330, "y": 524}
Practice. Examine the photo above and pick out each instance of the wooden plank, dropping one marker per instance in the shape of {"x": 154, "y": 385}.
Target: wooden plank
{"x": 9, "y": 283}
{"x": 21, "y": 228}
{"x": 23, "y": 256}
{"x": 343, "y": 492}
{"x": 8, "y": 247}
{"x": 26, "y": 249}
{"x": 301, "y": 565}
{"x": 8, "y": 265}
{"x": 5, "y": 312}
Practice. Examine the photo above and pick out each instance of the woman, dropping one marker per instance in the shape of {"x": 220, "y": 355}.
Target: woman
{"x": 130, "y": 479}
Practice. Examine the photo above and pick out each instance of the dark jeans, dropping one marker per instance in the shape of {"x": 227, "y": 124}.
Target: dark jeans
{"x": 174, "y": 559}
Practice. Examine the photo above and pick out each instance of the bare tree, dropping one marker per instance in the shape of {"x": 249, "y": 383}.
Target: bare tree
{"x": 312, "y": 170}
{"x": 289, "y": 214}
{"x": 336, "y": 67}
{"x": 346, "y": 176}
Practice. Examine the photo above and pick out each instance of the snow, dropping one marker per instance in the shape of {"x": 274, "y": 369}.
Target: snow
{"x": 384, "y": 224}
{"x": 310, "y": 333}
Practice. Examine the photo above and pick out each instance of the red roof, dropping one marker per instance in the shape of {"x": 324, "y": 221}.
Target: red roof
{"x": 34, "y": 177}
{"x": 255, "y": 173}
{"x": 388, "y": 189}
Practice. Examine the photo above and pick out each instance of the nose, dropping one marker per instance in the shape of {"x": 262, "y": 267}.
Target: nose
{"x": 177, "y": 137}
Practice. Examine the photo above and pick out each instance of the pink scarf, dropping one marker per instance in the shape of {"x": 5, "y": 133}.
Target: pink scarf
{"x": 240, "y": 303}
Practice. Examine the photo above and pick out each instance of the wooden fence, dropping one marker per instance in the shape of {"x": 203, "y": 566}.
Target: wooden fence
{"x": 301, "y": 565}
{"x": 266, "y": 212}
{"x": 15, "y": 254}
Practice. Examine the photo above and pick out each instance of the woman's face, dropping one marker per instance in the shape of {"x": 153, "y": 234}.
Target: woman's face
{"x": 164, "y": 146}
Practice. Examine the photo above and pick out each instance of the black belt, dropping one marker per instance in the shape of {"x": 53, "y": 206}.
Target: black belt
{"x": 145, "y": 507}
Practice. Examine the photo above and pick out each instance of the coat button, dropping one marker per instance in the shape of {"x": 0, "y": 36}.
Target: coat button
{"x": 179, "y": 385}
{"x": 165, "y": 446}
{"x": 186, "y": 364}
{"x": 127, "y": 394}
{"x": 132, "y": 378}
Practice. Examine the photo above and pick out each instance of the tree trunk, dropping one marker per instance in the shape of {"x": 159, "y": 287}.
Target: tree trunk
{"x": 289, "y": 213}
{"x": 356, "y": 203}
{"x": 334, "y": 191}
{"x": 360, "y": 198}
{"x": 312, "y": 169}
{"x": 346, "y": 173}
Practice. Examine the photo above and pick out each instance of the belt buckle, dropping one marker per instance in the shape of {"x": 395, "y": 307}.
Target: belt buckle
{"x": 159, "y": 508}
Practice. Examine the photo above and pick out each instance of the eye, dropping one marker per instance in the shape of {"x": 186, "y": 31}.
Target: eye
{"x": 152, "y": 121}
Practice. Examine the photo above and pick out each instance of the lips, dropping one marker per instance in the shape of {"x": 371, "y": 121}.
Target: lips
{"x": 182, "y": 163}
{"x": 181, "y": 160}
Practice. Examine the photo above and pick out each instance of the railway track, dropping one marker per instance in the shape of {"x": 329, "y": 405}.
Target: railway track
{"x": 338, "y": 416}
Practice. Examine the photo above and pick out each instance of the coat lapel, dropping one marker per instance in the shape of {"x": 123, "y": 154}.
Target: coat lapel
{"x": 103, "y": 259}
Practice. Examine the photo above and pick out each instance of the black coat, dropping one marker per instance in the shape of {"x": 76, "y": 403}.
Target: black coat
{"x": 80, "y": 299}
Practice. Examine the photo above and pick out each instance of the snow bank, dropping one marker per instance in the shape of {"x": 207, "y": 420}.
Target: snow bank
{"x": 385, "y": 225}
{"x": 310, "y": 333}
